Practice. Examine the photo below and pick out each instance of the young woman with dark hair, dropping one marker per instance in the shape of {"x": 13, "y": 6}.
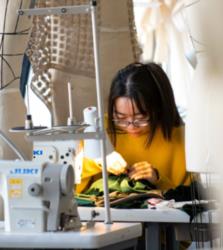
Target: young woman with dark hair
{"x": 145, "y": 127}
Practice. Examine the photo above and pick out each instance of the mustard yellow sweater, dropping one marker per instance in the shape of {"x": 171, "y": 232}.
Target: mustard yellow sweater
{"x": 166, "y": 156}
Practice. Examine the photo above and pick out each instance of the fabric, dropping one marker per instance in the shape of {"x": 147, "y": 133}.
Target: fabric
{"x": 194, "y": 191}
{"x": 123, "y": 193}
{"x": 167, "y": 156}
{"x": 165, "y": 39}
{"x": 204, "y": 138}
{"x": 118, "y": 199}
{"x": 120, "y": 183}
{"x": 90, "y": 169}
{"x": 194, "y": 209}
{"x": 181, "y": 193}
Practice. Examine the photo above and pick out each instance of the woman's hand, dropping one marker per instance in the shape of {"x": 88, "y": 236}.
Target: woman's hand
{"x": 143, "y": 170}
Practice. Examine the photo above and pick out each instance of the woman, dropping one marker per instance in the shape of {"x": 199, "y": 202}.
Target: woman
{"x": 145, "y": 127}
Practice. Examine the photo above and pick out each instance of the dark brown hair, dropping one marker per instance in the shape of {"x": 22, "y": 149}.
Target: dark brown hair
{"x": 149, "y": 87}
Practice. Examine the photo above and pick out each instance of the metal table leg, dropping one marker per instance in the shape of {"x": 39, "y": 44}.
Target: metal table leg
{"x": 152, "y": 236}
{"x": 171, "y": 242}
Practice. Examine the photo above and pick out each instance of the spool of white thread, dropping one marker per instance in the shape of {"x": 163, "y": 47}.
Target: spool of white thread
{"x": 91, "y": 147}
{"x": 90, "y": 115}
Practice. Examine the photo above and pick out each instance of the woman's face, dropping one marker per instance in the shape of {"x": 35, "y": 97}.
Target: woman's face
{"x": 128, "y": 118}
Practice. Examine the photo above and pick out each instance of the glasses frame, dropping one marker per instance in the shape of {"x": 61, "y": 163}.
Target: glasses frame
{"x": 126, "y": 123}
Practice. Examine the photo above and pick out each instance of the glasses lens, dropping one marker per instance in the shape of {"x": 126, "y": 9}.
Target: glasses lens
{"x": 140, "y": 123}
{"x": 136, "y": 123}
{"x": 121, "y": 123}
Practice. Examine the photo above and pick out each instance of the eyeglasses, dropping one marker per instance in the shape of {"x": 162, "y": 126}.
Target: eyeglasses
{"x": 135, "y": 123}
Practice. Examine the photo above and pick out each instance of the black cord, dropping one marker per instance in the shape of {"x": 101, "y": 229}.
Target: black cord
{"x": 9, "y": 83}
{"x": 200, "y": 226}
{"x": 18, "y": 16}
{"x": 22, "y": 32}
{"x": 3, "y": 55}
{"x": 13, "y": 73}
{"x": 2, "y": 43}
{"x": 194, "y": 223}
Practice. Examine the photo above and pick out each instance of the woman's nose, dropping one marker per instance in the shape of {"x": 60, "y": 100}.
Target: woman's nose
{"x": 131, "y": 126}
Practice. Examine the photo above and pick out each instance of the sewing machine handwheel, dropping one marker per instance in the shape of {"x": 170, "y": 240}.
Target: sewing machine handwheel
{"x": 67, "y": 179}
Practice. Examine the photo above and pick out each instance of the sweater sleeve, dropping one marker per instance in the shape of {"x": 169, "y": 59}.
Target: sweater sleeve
{"x": 89, "y": 169}
{"x": 177, "y": 172}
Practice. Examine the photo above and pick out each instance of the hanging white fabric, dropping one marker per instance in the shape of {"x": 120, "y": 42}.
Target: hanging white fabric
{"x": 166, "y": 40}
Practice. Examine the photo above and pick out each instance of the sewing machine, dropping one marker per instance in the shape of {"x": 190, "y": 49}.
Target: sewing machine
{"x": 37, "y": 197}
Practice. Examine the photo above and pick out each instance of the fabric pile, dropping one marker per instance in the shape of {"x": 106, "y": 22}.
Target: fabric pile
{"x": 126, "y": 193}
{"x": 123, "y": 193}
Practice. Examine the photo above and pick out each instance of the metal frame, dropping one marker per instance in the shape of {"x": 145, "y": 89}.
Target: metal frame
{"x": 61, "y": 136}
{"x": 101, "y": 136}
{"x": 55, "y": 10}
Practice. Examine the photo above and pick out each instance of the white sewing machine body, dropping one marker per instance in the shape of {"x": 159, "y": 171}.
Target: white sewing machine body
{"x": 37, "y": 197}
{"x": 60, "y": 152}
